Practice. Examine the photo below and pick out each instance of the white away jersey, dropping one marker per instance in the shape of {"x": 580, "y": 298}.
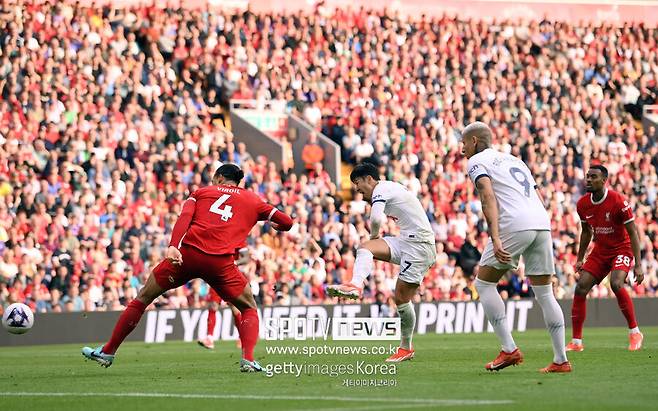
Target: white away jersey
{"x": 405, "y": 208}
{"x": 519, "y": 206}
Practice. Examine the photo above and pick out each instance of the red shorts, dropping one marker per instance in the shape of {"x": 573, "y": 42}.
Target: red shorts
{"x": 601, "y": 265}
{"x": 219, "y": 271}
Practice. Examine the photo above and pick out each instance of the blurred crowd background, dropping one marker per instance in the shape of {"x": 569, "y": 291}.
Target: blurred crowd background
{"x": 109, "y": 118}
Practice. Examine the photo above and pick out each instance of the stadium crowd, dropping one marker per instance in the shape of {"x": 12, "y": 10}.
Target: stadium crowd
{"x": 110, "y": 118}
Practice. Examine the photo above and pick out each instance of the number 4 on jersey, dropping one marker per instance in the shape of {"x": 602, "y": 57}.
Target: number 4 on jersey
{"x": 225, "y": 212}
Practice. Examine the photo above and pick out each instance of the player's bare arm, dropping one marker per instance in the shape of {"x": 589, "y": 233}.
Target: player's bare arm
{"x": 585, "y": 238}
{"x": 631, "y": 229}
{"x": 490, "y": 210}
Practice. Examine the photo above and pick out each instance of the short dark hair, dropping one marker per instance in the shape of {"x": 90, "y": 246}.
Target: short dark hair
{"x": 601, "y": 168}
{"x": 364, "y": 170}
{"x": 230, "y": 172}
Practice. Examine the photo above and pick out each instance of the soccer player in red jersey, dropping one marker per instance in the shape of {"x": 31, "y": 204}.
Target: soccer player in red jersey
{"x": 213, "y": 224}
{"x": 608, "y": 217}
{"x": 214, "y": 300}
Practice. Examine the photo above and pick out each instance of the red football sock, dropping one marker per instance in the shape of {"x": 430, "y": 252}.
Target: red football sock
{"x": 237, "y": 317}
{"x": 626, "y": 306}
{"x": 212, "y": 320}
{"x": 124, "y": 326}
{"x": 249, "y": 333}
{"x": 578, "y": 314}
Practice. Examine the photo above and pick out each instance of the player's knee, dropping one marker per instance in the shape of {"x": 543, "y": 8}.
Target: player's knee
{"x": 581, "y": 290}
{"x": 616, "y": 285}
{"x": 399, "y": 300}
{"x": 145, "y": 297}
{"x": 245, "y": 301}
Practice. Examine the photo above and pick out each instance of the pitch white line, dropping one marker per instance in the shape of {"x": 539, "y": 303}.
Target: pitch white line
{"x": 372, "y": 407}
{"x": 400, "y": 401}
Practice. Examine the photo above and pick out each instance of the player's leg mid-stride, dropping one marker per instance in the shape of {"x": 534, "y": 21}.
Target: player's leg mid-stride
{"x": 104, "y": 354}
{"x": 579, "y": 309}
{"x": 494, "y": 308}
{"x": 157, "y": 284}
{"x": 404, "y": 290}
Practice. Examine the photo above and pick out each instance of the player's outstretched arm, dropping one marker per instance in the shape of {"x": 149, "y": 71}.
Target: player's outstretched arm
{"x": 631, "y": 228}
{"x": 490, "y": 210}
{"x": 377, "y": 219}
{"x": 583, "y": 243}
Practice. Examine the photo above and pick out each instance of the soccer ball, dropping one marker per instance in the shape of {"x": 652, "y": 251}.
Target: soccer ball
{"x": 18, "y": 318}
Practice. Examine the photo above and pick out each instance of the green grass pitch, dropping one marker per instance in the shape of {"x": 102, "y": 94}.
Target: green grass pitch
{"x": 447, "y": 374}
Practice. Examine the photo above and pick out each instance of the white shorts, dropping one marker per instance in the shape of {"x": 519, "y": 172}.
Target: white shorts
{"x": 536, "y": 247}
{"x": 414, "y": 258}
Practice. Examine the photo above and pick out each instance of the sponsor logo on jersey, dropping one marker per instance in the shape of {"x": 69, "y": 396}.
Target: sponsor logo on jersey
{"x": 604, "y": 230}
{"x": 472, "y": 170}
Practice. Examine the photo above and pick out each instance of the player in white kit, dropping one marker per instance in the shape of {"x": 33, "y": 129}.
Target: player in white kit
{"x": 518, "y": 226}
{"x": 414, "y": 250}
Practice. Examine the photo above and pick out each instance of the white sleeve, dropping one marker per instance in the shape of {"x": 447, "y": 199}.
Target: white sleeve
{"x": 476, "y": 169}
{"x": 377, "y": 218}
{"x": 380, "y": 195}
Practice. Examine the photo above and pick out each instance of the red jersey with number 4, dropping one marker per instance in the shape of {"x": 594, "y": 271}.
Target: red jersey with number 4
{"x": 223, "y": 217}
{"x": 607, "y": 218}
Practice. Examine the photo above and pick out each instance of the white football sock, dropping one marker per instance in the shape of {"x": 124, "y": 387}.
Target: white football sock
{"x": 494, "y": 308}
{"x": 554, "y": 319}
{"x": 407, "y": 324}
{"x": 634, "y": 330}
{"x": 577, "y": 341}
{"x": 362, "y": 266}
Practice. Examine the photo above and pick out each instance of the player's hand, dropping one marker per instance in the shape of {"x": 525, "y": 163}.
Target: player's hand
{"x": 243, "y": 256}
{"x": 174, "y": 255}
{"x": 500, "y": 253}
{"x": 639, "y": 275}
{"x": 578, "y": 266}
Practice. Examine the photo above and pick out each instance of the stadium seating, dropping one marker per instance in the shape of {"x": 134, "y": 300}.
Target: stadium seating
{"x": 109, "y": 118}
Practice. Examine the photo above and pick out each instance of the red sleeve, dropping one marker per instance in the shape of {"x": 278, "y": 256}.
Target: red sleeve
{"x": 283, "y": 220}
{"x": 579, "y": 210}
{"x": 265, "y": 210}
{"x": 183, "y": 222}
{"x": 270, "y": 213}
{"x": 625, "y": 212}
